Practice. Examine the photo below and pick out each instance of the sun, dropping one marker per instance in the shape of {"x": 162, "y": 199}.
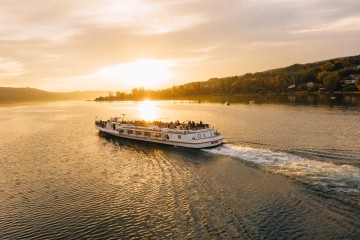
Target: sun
{"x": 147, "y": 73}
{"x": 147, "y": 111}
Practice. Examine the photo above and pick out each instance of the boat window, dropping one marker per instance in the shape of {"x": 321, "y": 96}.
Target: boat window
{"x": 156, "y": 135}
{"x": 204, "y": 135}
{"x": 179, "y": 136}
{"x": 130, "y": 132}
{"x": 166, "y": 136}
{"x": 121, "y": 131}
{"x": 147, "y": 134}
{"x": 138, "y": 132}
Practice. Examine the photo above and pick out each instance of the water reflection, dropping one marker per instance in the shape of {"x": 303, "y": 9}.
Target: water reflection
{"x": 60, "y": 181}
{"x": 349, "y": 100}
{"x": 147, "y": 111}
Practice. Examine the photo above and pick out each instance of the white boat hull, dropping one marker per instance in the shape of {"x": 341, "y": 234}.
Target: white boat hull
{"x": 189, "y": 140}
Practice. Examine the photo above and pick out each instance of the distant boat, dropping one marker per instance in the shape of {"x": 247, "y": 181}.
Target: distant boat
{"x": 227, "y": 103}
{"x": 188, "y": 135}
{"x": 252, "y": 102}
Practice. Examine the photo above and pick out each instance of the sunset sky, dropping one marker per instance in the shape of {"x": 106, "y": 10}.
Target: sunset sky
{"x": 118, "y": 45}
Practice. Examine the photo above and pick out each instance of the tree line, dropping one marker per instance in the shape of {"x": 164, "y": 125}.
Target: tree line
{"x": 340, "y": 74}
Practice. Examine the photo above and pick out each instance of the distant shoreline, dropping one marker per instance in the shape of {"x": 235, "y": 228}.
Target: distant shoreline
{"x": 204, "y": 96}
{"x": 294, "y": 98}
{"x": 24, "y": 96}
{"x": 351, "y": 99}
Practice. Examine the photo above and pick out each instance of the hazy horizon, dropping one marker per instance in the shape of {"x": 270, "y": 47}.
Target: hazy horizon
{"x": 119, "y": 45}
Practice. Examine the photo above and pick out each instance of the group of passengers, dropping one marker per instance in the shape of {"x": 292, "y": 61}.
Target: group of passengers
{"x": 101, "y": 123}
{"x": 190, "y": 125}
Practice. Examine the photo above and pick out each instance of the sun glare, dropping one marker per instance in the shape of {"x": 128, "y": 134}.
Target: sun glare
{"x": 147, "y": 111}
{"x": 145, "y": 73}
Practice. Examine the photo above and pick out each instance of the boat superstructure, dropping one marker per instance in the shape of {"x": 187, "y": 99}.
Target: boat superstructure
{"x": 188, "y": 134}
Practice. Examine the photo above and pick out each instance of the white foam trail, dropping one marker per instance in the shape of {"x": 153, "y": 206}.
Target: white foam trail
{"x": 344, "y": 178}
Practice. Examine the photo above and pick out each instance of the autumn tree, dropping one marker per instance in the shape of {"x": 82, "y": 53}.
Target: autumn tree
{"x": 331, "y": 80}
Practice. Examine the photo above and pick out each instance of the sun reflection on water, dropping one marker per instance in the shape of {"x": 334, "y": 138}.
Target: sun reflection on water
{"x": 147, "y": 111}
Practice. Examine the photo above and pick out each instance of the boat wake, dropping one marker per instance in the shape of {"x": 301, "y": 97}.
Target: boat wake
{"x": 340, "y": 178}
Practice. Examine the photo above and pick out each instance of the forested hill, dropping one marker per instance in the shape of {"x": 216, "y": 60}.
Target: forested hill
{"x": 340, "y": 74}
{"x": 22, "y": 95}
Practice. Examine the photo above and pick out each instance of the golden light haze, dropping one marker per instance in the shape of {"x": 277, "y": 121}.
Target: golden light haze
{"x": 117, "y": 45}
{"x": 147, "y": 111}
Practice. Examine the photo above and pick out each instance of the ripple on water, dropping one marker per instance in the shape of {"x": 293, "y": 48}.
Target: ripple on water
{"x": 65, "y": 181}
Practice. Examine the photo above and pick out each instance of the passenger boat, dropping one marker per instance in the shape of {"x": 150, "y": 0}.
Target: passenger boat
{"x": 188, "y": 134}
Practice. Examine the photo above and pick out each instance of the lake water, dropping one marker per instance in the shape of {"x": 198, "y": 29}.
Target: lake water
{"x": 285, "y": 172}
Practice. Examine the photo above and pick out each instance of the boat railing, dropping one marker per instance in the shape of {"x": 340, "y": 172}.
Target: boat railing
{"x": 190, "y": 127}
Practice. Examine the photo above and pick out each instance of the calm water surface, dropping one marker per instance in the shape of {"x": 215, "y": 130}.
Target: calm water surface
{"x": 284, "y": 172}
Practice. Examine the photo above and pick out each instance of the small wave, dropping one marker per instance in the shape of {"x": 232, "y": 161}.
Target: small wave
{"x": 327, "y": 154}
{"x": 341, "y": 178}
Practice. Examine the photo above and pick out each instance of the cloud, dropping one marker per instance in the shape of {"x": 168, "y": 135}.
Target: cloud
{"x": 341, "y": 25}
{"x": 60, "y": 41}
{"x": 10, "y": 68}
{"x": 56, "y": 21}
